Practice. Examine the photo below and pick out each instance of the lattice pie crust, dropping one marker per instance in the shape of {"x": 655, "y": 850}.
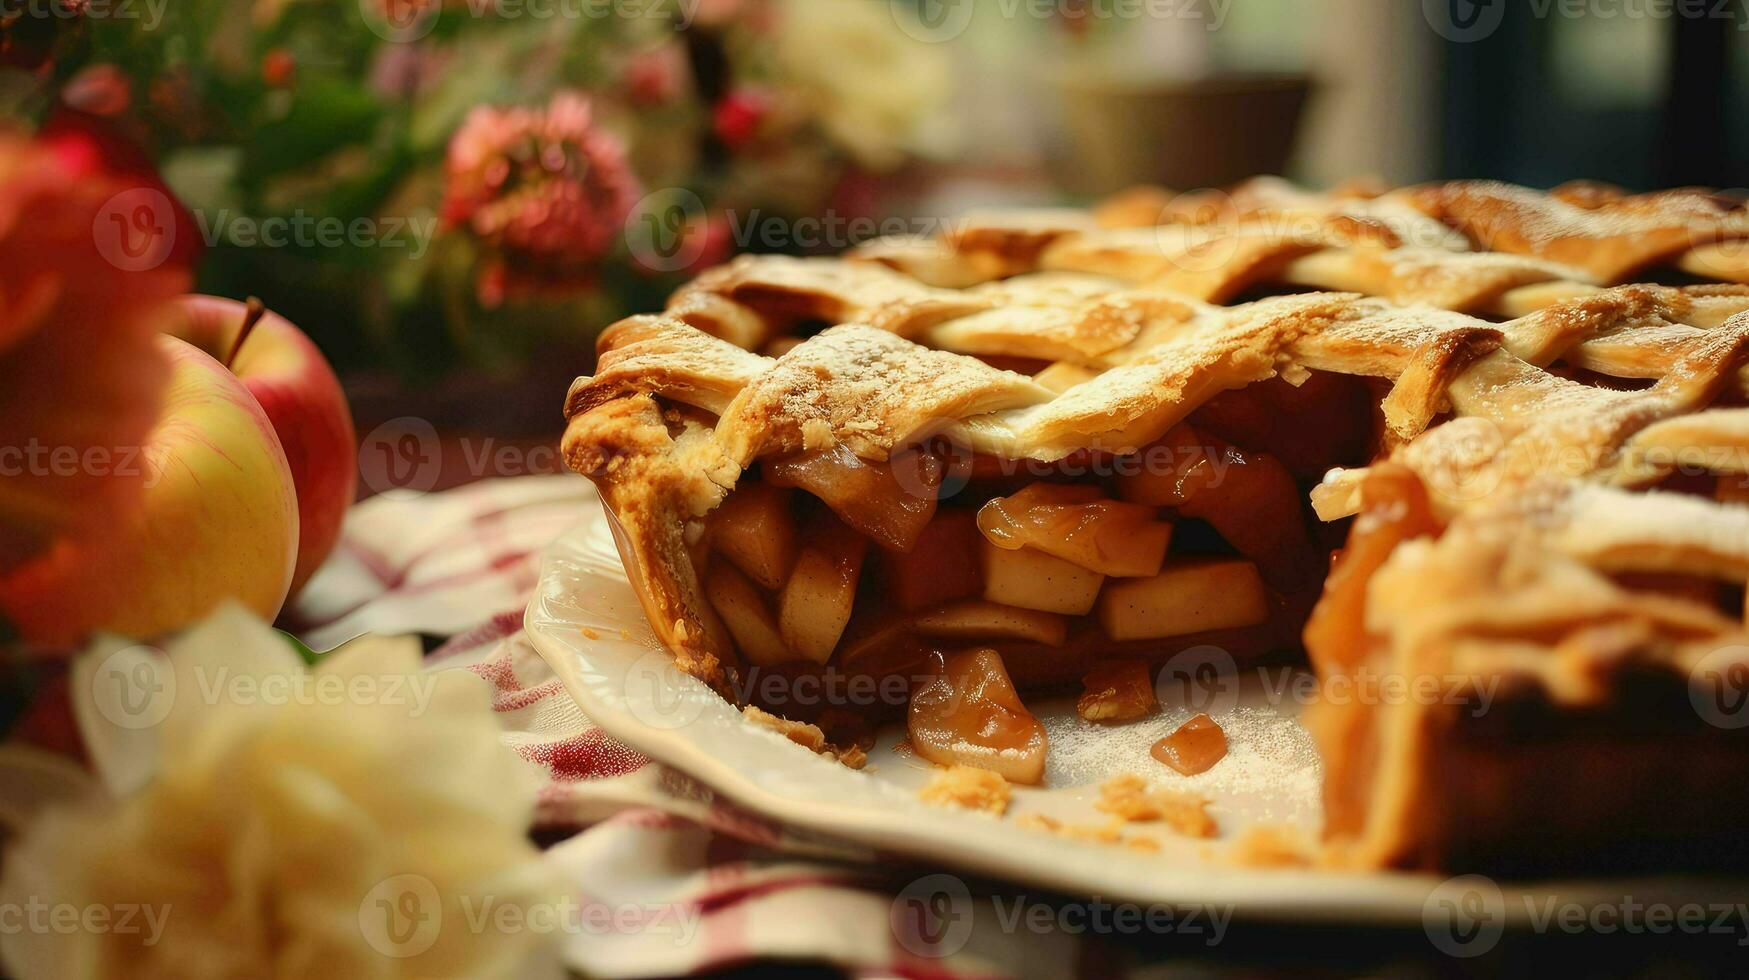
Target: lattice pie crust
{"x": 1548, "y": 488}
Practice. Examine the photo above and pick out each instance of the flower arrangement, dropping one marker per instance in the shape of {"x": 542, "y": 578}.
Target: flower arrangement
{"x": 422, "y": 181}
{"x": 255, "y": 816}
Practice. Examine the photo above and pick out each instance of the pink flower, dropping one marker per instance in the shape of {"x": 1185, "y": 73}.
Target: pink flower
{"x": 738, "y": 116}
{"x": 544, "y": 185}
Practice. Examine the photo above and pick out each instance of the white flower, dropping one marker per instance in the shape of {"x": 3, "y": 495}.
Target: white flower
{"x": 258, "y": 818}
{"x": 872, "y": 87}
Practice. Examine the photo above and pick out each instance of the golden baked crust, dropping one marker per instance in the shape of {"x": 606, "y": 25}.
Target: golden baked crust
{"x": 873, "y": 391}
{"x": 1475, "y": 246}
{"x": 1539, "y": 440}
{"x": 1516, "y": 610}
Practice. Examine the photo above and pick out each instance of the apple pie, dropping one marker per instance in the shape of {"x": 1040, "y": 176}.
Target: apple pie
{"x": 1051, "y": 450}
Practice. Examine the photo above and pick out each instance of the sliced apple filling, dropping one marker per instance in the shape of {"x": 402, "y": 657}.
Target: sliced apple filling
{"x": 823, "y": 561}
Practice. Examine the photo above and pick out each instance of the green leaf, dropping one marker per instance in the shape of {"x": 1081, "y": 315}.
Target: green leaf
{"x": 309, "y": 656}
{"x": 324, "y": 116}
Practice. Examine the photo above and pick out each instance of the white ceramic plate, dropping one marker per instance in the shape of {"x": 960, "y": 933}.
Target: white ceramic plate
{"x": 586, "y": 621}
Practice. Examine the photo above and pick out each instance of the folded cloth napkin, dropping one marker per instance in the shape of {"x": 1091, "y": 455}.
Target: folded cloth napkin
{"x": 671, "y": 878}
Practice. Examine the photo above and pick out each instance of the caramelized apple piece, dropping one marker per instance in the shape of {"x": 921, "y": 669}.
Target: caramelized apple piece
{"x": 1076, "y": 524}
{"x": 968, "y": 714}
{"x": 1117, "y": 691}
{"x": 866, "y": 495}
{"x": 1170, "y": 471}
{"x": 754, "y": 529}
{"x": 1325, "y": 422}
{"x": 941, "y": 567}
{"x": 988, "y": 620}
{"x": 818, "y": 597}
{"x": 742, "y": 608}
{"x": 1190, "y": 597}
{"x": 1031, "y": 579}
{"x": 1194, "y": 748}
{"x": 1250, "y": 499}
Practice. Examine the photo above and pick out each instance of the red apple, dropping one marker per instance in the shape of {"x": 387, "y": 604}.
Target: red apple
{"x": 216, "y": 519}
{"x": 297, "y": 389}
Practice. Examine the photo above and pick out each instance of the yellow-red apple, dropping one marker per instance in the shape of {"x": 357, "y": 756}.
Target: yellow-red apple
{"x": 297, "y": 389}
{"x": 217, "y": 519}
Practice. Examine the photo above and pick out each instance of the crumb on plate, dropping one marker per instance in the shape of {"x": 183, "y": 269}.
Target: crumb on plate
{"x": 807, "y": 736}
{"x": 1132, "y": 798}
{"x": 969, "y": 788}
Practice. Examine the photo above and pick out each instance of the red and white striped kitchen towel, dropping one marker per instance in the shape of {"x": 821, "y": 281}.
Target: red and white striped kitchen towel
{"x": 674, "y": 879}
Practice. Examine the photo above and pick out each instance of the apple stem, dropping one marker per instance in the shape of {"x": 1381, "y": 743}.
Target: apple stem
{"x": 253, "y": 311}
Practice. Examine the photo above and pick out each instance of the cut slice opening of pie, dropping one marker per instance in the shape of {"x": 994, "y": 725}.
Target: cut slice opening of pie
{"x": 1034, "y": 479}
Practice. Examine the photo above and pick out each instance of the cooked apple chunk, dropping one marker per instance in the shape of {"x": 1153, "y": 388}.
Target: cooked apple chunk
{"x": 969, "y": 714}
{"x": 1031, "y": 579}
{"x": 1077, "y": 524}
{"x": 989, "y": 620}
{"x": 1250, "y": 499}
{"x": 1198, "y": 595}
{"x": 816, "y": 601}
{"x": 1117, "y": 691}
{"x": 941, "y": 567}
{"x": 738, "y": 601}
{"x": 866, "y": 495}
{"x": 753, "y": 528}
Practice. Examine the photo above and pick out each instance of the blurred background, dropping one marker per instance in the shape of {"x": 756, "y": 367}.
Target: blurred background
{"x": 453, "y": 196}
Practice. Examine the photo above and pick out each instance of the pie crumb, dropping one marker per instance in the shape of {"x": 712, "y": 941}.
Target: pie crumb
{"x": 1129, "y": 797}
{"x": 1272, "y": 846}
{"x": 590, "y": 634}
{"x": 970, "y": 788}
{"x": 817, "y": 434}
{"x": 807, "y": 736}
